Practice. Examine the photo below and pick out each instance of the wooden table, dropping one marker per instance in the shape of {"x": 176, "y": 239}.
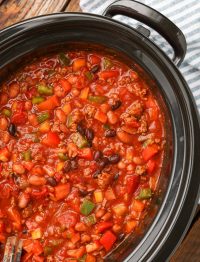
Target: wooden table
{"x": 12, "y": 11}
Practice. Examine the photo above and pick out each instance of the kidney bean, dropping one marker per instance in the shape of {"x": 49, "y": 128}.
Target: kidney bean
{"x": 89, "y": 133}
{"x": 110, "y": 133}
{"x": 12, "y": 129}
{"x": 67, "y": 166}
{"x": 116, "y": 176}
{"x": 116, "y": 105}
{"x": 97, "y": 155}
{"x": 51, "y": 181}
{"x": 114, "y": 159}
{"x": 103, "y": 162}
{"x": 80, "y": 129}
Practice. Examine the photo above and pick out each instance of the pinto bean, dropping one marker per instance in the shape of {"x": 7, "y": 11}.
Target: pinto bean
{"x": 14, "y": 90}
{"x": 18, "y": 168}
{"x": 3, "y": 123}
{"x": 100, "y": 213}
{"x": 37, "y": 180}
{"x": 24, "y": 199}
{"x": 112, "y": 117}
{"x": 85, "y": 238}
{"x": 80, "y": 227}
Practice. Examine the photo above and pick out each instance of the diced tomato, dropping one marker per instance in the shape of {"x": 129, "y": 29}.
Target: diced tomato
{"x": 100, "y": 116}
{"x": 130, "y": 225}
{"x": 51, "y": 139}
{"x": 107, "y": 240}
{"x": 108, "y": 74}
{"x": 90, "y": 258}
{"x": 61, "y": 191}
{"x": 132, "y": 183}
{"x": 151, "y": 164}
{"x": 49, "y": 104}
{"x": 19, "y": 118}
{"x": 39, "y": 194}
{"x": 65, "y": 84}
{"x": 78, "y": 63}
{"x": 85, "y": 153}
{"x": 150, "y": 151}
{"x": 68, "y": 218}
{"x": 76, "y": 253}
{"x": 137, "y": 205}
{"x": 28, "y": 165}
{"x": 94, "y": 59}
{"x": 102, "y": 226}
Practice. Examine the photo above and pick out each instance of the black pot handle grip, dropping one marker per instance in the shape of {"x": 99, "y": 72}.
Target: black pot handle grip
{"x": 153, "y": 19}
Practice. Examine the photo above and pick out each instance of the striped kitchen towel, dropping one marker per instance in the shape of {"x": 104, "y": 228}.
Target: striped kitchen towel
{"x": 186, "y": 15}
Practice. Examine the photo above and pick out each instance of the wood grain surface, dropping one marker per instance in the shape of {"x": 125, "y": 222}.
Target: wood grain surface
{"x": 12, "y": 11}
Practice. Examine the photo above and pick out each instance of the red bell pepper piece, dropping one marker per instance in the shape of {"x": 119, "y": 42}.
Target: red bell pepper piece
{"x": 61, "y": 191}
{"x": 85, "y": 153}
{"x": 149, "y": 152}
{"x": 108, "y": 74}
{"x": 102, "y": 226}
{"x": 65, "y": 84}
{"x": 150, "y": 166}
{"x": 51, "y": 139}
{"x": 49, "y": 104}
{"x": 132, "y": 183}
{"x": 107, "y": 240}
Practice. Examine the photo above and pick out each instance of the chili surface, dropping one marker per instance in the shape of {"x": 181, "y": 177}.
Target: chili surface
{"x": 81, "y": 150}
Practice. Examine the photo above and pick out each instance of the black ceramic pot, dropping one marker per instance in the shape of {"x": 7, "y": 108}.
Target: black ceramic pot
{"x": 180, "y": 183}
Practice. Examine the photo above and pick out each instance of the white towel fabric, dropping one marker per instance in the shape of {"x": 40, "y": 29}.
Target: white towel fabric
{"x": 186, "y": 15}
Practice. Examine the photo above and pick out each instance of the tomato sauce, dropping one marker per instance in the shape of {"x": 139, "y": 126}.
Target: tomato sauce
{"x": 81, "y": 149}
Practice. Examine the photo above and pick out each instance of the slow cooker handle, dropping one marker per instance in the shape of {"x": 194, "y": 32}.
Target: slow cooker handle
{"x": 155, "y": 20}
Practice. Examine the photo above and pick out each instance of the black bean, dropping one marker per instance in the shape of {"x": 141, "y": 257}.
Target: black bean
{"x": 89, "y": 133}
{"x": 83, "y": 192}
{"x": 12, "y": 129}
{"x": 80, "y": 129}
{"x": 116, "y": 105}
{"x": 110, "y": 133}
{"x": 103, "y": 162}
{"x": 51, "y": 181}
{"x": 67, "y": 166}
{"x": 96, "y": 173}
{"x": 97, "y": 155}
{"x": 116, "y": 176}
{"x": 114, "y": 159}
{"x": 95, "y": 69}
{"x": 121, "y": 236}
{"x": 24, "y": 231}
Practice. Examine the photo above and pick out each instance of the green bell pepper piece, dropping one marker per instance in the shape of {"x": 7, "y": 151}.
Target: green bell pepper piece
{"x": 79, "y": 140}
{"x": 27, "y": 155}
{"x": 64, "y": 60}
{"x": 44, "y": 90}
{"x": 97, "y": 99}
{"x": 145, "y": 193}
{"x": 6, "y": 112}
{"x": 87, "y": 207}
{"x": 37, "y": 100}
{"x": 43, "y": 117}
